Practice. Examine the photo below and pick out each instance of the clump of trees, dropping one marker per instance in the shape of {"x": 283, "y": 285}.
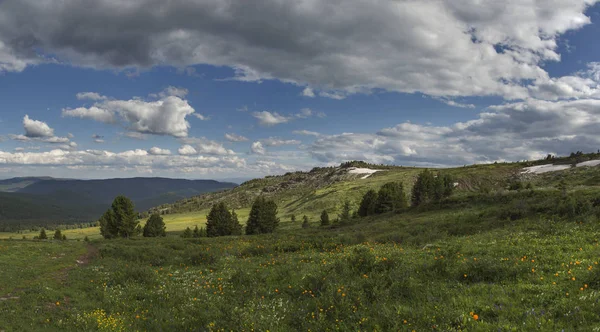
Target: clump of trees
{"x": 221, "y": 222}
{"x": 155, "y": 226}
{"x": 431, "y": 188}
{"x": 391, "y": 197}
{"x": 263, "y": 217}
{"x": 120, "y": 220}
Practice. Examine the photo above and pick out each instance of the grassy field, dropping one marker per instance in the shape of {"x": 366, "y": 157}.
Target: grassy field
{"x": 464, "y": 265}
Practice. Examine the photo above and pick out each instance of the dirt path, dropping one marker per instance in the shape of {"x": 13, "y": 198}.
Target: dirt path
{"x": 61, "y": 275}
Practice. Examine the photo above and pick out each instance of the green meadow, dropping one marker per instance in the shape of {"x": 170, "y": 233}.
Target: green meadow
{"x": 484, "y": 259}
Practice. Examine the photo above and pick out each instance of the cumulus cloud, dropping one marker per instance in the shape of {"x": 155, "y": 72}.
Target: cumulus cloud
{"x": 439, "y": 48}
{"x": 159, "y": 152}
{"x": 276, "y": 141}
{"x": 36, "y": 129}
{"x": 257, "y": 148}
{"x": 514, "y": 131}
{"x": 90, "y": 96}
{"x": 187, "y": 150}
{"x": 235, "y": 138}
{"x": 165, "y": 116}
{"x": 308, "y": 92}
{"x": 267, "y": 118}
{"x": 306, "y": 133}
{"x": 206, "y": 146}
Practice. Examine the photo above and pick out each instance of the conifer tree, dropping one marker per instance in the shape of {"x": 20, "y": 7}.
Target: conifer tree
{"x": 263, "y": 217}
{"x": 187, "y": 233}
{"x": 221, "y": 222}
{"x": 346, "y": 215}
{"x": 368, "y": 203}
{"x": 305, "y": 223}
{"x": 391, "y": 197}
{"x": 196, "y": 232}
{"x": 155, "y": 226}
{"x": 324, "y": 218}
{"x": 108, "y": 226}
{"x": 57, "y": 235}
{"x": 293, "y": 218}
{"x": 42, "y": 235}
{"x": 423, "y": 188}
{"x": 125, "y": 216}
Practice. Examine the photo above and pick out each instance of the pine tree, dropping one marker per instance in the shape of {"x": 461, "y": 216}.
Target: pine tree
{"x": 293, "y": 218}
{"x": 64, "y": 237}
{"x": 324, "y": 218}
{"x": 391, "y": 197}
{"x": 221, "y": 222}
{"x": 263, "y": 217}
{"x": 125, "y": 216}
{"x": 423, "y": 188}
{"x": 368, "y": 203}
{"x": 57, "y": 235}
{"x": 42, "y": 235}
{"x": 305, "y": 223}
{"x": 86, "y": 239}
{"x": 187, "y": 233}
{"x": 108, "y": 226}
{"x": 196, "y": 232}
{"x": 155, "y": 226}
{"x": 345, "y": 216}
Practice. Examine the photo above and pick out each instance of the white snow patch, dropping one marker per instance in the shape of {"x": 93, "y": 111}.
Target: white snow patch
{"x": 366, "y": 171}
{"x": 551, "y": 168}
{"x": 544, "y": 168}
{"x": 589, "y": 163}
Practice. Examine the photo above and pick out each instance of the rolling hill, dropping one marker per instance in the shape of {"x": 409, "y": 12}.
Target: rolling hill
{"x": 47, "y": 201}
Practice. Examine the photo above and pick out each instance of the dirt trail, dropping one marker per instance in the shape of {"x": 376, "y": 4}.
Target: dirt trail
{"x": 62, "y": 274}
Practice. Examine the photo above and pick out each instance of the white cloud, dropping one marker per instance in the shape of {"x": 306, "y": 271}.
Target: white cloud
{"x": 306, "y": 133}
{"x": 275, "y": 141}
{"x": 201, "y": 117}
{"x": 98, "y": 140}
{"x": 174, "y": 91}
{"x": 159, "y": 152}
{"x": 206, "y": 146}
{"x": 165, "y": 116}
{"x": 308, "y": 92}
{"x": 94, "y": 113}
{"x": 56, "y": 139}
{"x": 440, "y": 48}
{"x": 36, "y": 129}
{"x": 257, "y": 148}
{"x": 267, "y": 118}
{"x": 90, "y": 96}
{"x": 187, "y": 150}
{"x": 136, "y": 135}
{"x": 235, "y": 138}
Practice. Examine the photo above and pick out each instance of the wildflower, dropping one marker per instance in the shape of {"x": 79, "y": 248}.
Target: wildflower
{"x": 57, "y": 303}
{"x": 475, "y": 317}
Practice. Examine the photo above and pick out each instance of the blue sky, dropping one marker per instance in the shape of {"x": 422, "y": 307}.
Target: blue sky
{"x": 207, "y": 89}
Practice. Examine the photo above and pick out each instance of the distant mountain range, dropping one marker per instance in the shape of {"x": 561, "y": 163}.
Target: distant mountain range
{"x": 33, "y": 201}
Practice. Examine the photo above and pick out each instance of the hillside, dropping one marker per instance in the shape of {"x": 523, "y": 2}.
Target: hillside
{"x": 328, "y": 188}
{"x": 508, "y": 250}
{"x": 48, "y": 201}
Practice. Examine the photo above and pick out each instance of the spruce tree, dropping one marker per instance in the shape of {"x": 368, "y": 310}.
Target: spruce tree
{"x": 305, "y": 223}
{"x": 155, "y": 227}
{"x": 263, "y": 217}
{"x": 423, "y": 188}
{"x": 391, "y": 197}
{"x": 187, "y": 233}
{"x": 42, "y": 235}
{"x": 324, "y": 218}
{"x": 57, "y": 235}
{"x": 196, "y": 232}
{"x": 293, "y": 218}
{"x": 64, "y": 237}
{"x": 108, "y": 226}
{"x": 368, "y": 203}
{"x": 125, "y": 216}
{"x": 221, "y": 222}
{"x": 345, "y": 216}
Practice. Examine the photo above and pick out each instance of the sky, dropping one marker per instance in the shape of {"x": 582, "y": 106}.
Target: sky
{"x": 241, "y": 89}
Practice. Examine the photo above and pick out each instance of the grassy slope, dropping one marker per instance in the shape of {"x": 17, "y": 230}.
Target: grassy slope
{"x": 401, "y": 272}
